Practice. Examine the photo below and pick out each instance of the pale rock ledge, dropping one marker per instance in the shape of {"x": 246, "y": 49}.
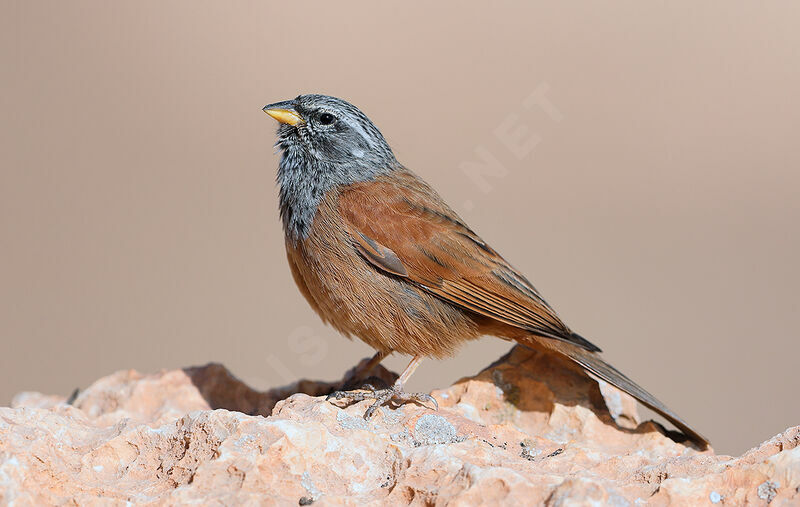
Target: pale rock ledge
{"x": 530, "y": 429}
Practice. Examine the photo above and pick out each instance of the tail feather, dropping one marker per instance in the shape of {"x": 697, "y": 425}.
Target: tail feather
{"x": 594, "y": 364}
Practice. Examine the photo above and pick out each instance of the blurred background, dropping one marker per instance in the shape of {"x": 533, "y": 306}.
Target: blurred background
{"x": 639, "y": 163}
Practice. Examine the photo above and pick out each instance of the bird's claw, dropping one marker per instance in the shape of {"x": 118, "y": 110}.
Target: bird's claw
{"x": 382, "y": 396}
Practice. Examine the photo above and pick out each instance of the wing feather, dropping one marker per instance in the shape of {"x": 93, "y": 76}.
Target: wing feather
{"x": 401, "y": 226}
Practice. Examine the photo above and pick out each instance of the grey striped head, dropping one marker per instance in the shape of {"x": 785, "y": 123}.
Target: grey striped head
{"x": 330, "y": 130}
{"x": 325, "y": 142}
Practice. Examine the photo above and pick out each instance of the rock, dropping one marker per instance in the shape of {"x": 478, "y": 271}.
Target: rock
{"x": 529, "y": 429}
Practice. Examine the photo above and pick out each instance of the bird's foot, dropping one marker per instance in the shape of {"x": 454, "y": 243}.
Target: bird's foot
{"x": 383, "y": 396}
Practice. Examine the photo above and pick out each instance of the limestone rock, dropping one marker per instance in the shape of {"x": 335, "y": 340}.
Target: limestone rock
{"x": 529, "y": 429}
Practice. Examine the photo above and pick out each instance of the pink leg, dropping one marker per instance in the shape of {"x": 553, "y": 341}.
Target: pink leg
{"x": 395, "y": 393}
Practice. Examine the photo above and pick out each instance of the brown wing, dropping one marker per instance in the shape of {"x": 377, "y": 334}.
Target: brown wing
{"x": 400, "y": 225}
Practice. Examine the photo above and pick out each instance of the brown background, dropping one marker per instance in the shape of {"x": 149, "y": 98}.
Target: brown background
{"x": 138, "y": 222}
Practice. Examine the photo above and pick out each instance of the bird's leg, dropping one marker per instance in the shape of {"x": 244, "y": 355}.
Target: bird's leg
{"x": 394, "y": 393}
{"x": 361, "y": 371}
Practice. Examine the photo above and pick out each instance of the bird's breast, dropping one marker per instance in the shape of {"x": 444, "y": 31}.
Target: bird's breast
{"x": 386, "y": 312}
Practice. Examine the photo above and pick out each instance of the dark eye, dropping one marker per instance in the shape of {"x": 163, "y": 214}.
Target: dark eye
{"x": 326, "y": 118}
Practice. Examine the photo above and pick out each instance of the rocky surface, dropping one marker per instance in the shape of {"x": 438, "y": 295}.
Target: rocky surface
{"x": 529, "y": 429}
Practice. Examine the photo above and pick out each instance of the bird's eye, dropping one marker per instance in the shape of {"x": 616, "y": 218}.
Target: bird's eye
{"x": 326, "y": 118}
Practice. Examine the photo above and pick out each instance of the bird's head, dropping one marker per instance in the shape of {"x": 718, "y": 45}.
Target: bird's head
{"x": 319, "y": 130}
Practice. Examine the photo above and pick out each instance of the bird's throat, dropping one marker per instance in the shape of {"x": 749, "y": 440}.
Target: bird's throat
{"x": 302, "y": 187}
{"x": 304, "y": 181}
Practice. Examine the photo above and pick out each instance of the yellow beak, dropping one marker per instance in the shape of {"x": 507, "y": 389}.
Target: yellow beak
{"x": 284, "y": 115}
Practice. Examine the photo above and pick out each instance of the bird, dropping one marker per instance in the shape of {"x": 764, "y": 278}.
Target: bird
{"x": 380, "y": 256}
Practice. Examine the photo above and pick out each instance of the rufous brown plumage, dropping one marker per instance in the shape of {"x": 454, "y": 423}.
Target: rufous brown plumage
{"x": 380, "y": 256}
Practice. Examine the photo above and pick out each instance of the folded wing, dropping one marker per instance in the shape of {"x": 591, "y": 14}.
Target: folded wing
{"x": 401, "y": 226}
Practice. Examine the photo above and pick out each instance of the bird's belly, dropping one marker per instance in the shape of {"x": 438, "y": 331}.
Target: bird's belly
{"x": 384, "y": 311}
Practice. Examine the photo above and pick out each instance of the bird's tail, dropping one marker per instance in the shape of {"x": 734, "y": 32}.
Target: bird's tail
{"x": 594, "y": 364}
